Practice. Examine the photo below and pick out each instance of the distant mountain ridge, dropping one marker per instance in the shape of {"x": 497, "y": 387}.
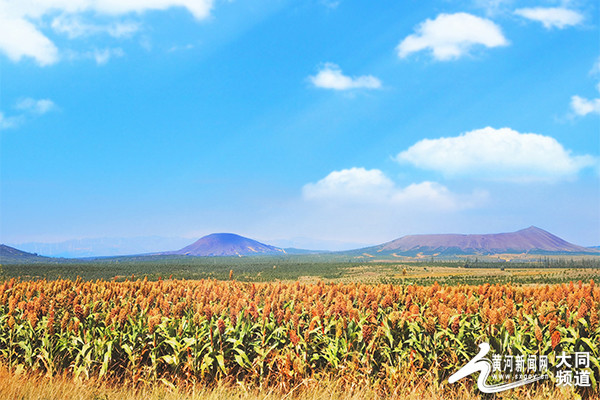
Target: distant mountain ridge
{"x": 227, "y": 244}
{"x": 10, "y": 254}
{"x": 530, "y": 240}
{"x": 103, "y": 247}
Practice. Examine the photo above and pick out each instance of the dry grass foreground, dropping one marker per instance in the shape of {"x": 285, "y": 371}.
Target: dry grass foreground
{"x": 28, "y": 387}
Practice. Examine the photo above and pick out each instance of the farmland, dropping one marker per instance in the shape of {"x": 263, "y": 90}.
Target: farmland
{"x": 278, "y": 337}
{"x": 315, "y": 268}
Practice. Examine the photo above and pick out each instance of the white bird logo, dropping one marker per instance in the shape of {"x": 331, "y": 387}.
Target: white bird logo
{"x": 484, "y": 367}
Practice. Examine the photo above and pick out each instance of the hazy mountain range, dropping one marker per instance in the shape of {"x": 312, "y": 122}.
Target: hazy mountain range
{"x": 115, "y": 246}
{"x": 10, "y": 254}
{"x": 93, "y": 247}
{"x": 531, "y": 240}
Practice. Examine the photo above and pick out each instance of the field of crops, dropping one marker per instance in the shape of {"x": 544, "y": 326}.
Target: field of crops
{"x": 313, "y": 268}
{"x": 278, "y": 335}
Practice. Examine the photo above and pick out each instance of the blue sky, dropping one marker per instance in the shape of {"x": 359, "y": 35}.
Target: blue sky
{"x": 313, "y": 123}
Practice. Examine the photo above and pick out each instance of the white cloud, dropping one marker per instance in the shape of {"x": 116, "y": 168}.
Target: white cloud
{"x": 28, "y": 107}
{"x": 9, "y": 122}
{"x": 493, "y": 7}
{"x": 39, "y": 107}
{"x": 122, "y": 29}
{"x": 74, "y": 27}
{"x": 20, "y": 38}
{"x": 175, "y": 48}
{"x": 552, "y": 17}
{"x": 103, "y": 55}
{"x": 362, "y": 186}
{"x": 100, "y": 56}
{"x": 21, "y": 22}
{"x": 583, "y": 107}
{"x": 432, "y": 194}
{"x": 351, "y": 183}
{"x": 450, "y": 36}
{"x": 497, "y": 154}
{"x": 200, "y": 9}
{"x": 331, "y": 77}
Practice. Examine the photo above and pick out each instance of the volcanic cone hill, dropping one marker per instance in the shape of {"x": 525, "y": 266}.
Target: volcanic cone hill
{"x": 227, "y": 244}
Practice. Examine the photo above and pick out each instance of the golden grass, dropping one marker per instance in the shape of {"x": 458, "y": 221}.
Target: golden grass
{"x": 27, "y": 387}
{"x": 372, "y": 271}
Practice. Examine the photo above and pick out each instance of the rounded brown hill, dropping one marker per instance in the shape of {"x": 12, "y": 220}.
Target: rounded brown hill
{"x": 227, "y": 244}
{"x": 528, "y": 240}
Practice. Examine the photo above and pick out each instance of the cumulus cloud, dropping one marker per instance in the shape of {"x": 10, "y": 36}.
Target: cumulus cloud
{"x": 450, "y": 36}
{"x": 497, "y": 154}
{"x": 551, "y": 17}
{"x": 21, "y": 22}
{"x": 34, "y": 106}
{"x": 331, "y": 77}
{"x": 582, "y": 106}
{"x": 360, "y": 186}
{"x": 352, "y": 182}
{"x": 20, "y": 38}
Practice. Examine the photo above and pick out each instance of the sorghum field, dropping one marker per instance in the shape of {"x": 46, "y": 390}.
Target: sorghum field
{"x": 279, "y": 337}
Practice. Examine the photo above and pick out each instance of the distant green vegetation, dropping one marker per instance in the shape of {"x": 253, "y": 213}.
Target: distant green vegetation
{"x": 327, "y": 267}
{"x": 542, "y": 277}
{"x": 254, "y": 268}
